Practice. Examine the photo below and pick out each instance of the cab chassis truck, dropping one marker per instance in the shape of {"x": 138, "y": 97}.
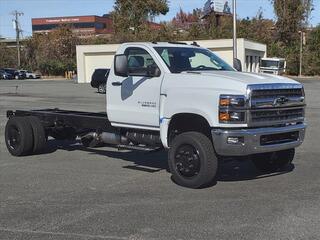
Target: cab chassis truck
{"x": 185, "y": 99}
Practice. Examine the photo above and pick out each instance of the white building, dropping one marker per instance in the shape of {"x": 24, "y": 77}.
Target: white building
{"x": 90, "y": 57}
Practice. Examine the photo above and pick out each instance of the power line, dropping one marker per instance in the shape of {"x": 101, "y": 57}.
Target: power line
{"x": 18, "y": 29}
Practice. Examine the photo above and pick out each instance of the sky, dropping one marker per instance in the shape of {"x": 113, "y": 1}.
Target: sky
{"x": 57, "y": 8}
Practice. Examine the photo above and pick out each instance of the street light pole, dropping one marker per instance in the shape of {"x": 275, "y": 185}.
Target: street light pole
{"x": 234, "y": 3}
{"x": 301, "y": 51}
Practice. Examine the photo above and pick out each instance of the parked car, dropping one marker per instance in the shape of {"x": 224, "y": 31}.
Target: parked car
{"x": 31, "y": 75}
{"x": 99, "y": 79}
{"x": 15, "y": 73}
{"x": 5, "y": 75}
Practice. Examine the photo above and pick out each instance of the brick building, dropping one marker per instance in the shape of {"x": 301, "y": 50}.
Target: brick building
{"x": 84, "y": 25}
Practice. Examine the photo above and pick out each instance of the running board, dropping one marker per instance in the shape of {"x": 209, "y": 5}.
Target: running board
{"x": 138, "y": 148}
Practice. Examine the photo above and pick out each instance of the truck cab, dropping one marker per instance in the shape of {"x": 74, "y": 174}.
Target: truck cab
{"x": 185, "y": 99}
{"x": 276, "y": 66}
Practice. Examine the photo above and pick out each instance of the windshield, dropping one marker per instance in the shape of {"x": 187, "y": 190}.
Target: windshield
{"x": 180, "y": 59}
{"x": 269, "y": 63}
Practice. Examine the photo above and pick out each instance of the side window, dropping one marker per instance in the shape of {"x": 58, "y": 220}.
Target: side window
{"x": 138, "y": 60}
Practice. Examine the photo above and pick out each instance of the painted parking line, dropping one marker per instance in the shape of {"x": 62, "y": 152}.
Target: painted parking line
{"x": 78, "y": 235}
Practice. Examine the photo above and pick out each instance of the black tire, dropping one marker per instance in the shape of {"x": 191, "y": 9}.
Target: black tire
{"x": 39, "y": 134}
{"x": 270, "y": 162}
{"x": 102, "y": 88}
{"x": 19, "y": 136}
{"x": 197, "y": 167}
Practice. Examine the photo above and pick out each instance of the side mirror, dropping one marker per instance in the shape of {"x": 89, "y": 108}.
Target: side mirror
{"x": 237, "y": 64}
{"x": 121, "y": 65}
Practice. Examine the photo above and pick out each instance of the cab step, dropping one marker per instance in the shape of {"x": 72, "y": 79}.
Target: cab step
{"x": 139, "y": 148}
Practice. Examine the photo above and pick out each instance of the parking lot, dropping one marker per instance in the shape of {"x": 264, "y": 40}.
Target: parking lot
{"x": 75, "y": 193}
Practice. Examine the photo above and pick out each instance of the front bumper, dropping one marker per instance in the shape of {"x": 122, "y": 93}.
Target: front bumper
{"x": 251, "y": 140}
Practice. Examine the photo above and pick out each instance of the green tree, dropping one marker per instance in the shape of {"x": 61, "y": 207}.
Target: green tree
{"x": 292, "y": 17}
{"x": 257, "y": 28}
{"x": 8, "y": 56}
{"x": 311, "y": 56}
{"x": 131, "y": 16}
{"x": 52, "y": 53}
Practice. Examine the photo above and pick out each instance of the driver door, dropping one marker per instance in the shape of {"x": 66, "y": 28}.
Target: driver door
{"x": 133, "y": 101}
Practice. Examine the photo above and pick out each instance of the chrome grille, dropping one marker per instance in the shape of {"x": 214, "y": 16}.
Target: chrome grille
{"x": 272, "y": 104}
{"x": 277, "y": 115}
{"x": 276, "y": 92}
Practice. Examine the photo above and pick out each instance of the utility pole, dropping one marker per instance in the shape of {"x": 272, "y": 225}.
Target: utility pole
{"x": 16, "y": 15}
{"x": 234, "y": 4}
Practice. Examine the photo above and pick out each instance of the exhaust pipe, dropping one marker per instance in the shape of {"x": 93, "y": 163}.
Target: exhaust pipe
{"x": 94, "y": 139}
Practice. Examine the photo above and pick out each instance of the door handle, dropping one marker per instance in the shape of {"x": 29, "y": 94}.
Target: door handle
{"x": 116, "y": 83}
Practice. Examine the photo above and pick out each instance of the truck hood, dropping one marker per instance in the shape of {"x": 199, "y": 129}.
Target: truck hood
{"x": 222, "y": 82}
{"x": 245, "y": 78}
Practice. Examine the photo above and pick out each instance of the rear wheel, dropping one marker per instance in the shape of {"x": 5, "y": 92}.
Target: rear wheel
{"x": 19, "y": 136}
{"x": 192, "y": 160}
{"x": 269, "y": 162}
{"x": 39, "y": 134}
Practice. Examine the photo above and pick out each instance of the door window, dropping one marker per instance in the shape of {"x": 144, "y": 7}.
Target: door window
{"x": 139, "y": 60}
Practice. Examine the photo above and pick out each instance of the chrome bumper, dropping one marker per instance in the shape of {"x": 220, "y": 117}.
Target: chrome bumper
{"x": 251, "y": 140}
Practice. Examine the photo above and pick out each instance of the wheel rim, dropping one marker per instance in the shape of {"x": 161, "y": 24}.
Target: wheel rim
{"x": 187, "y": 161}
{"x": 14, "y": 138}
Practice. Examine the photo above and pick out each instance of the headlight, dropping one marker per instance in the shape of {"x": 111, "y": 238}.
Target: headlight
{"x": 232, "y": 101}
{"x": 232, "y": 109}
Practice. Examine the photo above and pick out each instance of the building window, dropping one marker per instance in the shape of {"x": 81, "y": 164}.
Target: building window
{"x": 84, "y": 25}
{"x": 99, "y": 25}
{"x": 46, "y": 27}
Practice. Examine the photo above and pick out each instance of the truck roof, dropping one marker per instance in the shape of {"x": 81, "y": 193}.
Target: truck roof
{"x": 163, "y": 44}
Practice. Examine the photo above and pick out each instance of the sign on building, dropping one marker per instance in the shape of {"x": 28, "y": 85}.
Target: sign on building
{"x": 217, "y": 6}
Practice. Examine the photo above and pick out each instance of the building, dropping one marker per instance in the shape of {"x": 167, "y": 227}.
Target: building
{"x": 84, "y": 25}
{"x": 90, "y": 57}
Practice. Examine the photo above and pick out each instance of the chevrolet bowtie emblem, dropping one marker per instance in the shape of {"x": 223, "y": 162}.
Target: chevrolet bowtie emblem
{"x": 280, "y": 101}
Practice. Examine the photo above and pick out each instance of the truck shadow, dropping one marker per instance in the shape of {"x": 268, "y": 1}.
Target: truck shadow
{"x": 152, "y": 162}
{"x": 245, "y": 170}
{"x": 141, "y": 161}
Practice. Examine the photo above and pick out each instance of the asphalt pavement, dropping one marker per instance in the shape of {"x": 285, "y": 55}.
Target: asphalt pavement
{"x": 71, "y": 192}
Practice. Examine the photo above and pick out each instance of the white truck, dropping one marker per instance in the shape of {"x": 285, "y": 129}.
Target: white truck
{"x": 276, "y": 66}
{"x": 185, "y": 99}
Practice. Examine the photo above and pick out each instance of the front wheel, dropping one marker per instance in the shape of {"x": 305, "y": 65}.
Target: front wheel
{"x": 270, "y": 162}
{"x": 192, "y": 160}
